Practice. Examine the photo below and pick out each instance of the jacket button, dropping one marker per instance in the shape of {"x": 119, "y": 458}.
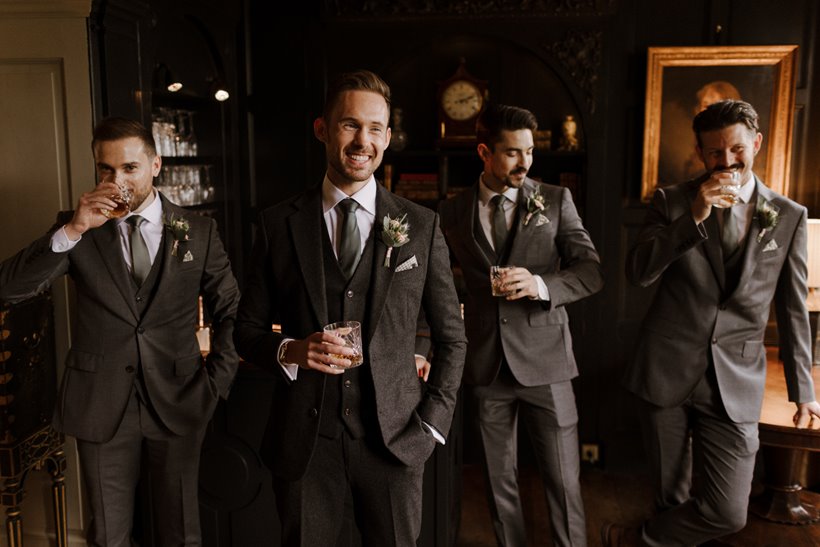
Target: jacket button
{"x": 722, "y": 307}
{"x": 504, "y": 321}
{"x": 349, "y": 294}
{"x": 140, "y": 330}
{"x": 129, "y": 369}
{"x": 139, "y": 299}
{"x": 313, "y": 413}
{"x": 348, "y": 383}
{"x": 348, "y": 412}
{"x": 714, "y": 340}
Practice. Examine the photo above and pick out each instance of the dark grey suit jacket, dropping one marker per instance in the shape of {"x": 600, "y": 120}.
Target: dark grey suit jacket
{"x": 692, "y": 315}
{"x": 286, "y": 285}
{"x": 110, "y": 340}
{"x": 534, "y": 336}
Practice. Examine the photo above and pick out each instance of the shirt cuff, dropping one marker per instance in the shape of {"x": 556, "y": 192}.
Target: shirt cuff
{"x": 60, "y": 242}
{"x": 291, "y": 371}
{"x": 543, "y": 291}
{"x": 434, "y": 432}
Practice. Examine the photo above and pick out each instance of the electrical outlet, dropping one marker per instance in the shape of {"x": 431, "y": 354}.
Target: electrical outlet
{"x": 589, "y": 453}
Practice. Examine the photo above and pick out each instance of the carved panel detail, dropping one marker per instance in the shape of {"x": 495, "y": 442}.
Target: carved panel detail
{"x": 579, "y": 53}
{"x": 485, "y": 8}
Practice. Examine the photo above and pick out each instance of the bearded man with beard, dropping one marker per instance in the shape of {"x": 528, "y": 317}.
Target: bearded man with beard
{"x": 519, "y": 355}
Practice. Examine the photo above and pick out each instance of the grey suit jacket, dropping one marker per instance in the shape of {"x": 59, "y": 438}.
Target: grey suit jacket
{"x": 534, "y": 336}
{"x": 286, "y": 285}
{"x": 110, "y": 340}
{"x": 693, "y": 318}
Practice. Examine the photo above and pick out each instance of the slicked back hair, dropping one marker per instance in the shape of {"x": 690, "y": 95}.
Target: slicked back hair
{"x": 496, "y": 118}
{"x": 358, "y": 80}
{"x": 724, "y": 114}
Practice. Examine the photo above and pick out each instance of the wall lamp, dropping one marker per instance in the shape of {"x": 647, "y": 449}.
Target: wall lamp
{"x": 164, "y": 79}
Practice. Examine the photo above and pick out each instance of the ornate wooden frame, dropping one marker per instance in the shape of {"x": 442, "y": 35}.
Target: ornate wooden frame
{"x": 782, "y": 60}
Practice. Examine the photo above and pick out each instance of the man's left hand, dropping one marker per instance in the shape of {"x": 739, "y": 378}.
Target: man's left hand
{"x": 807, "y": 415}
{"x": 519, "y": 283}
{"x": 423, "y": 367}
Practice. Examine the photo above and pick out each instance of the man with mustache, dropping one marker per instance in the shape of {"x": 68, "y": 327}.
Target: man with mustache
{"x": 719, "y": 255}
{"x": 519, "y": 356}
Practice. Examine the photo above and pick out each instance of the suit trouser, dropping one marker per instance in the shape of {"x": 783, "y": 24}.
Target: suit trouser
{"x": 111, "y": 471}
{"x": 551, "y": 418}
{"x": 385, "y": 496}
{"x": 698, "y": 437}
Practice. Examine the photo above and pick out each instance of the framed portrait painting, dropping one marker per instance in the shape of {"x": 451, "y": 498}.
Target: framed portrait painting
{"x": 682, "y": 81}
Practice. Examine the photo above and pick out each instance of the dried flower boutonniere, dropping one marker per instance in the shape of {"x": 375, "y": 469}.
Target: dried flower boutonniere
{"x": 395, "y": 233}
{"x": 536, "y": 204}
{"x": 766, "y": 214}
{"x": 179, "y": 231}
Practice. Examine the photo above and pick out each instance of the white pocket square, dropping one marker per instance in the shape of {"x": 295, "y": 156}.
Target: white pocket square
{"x": 408, "y": 264}
{"x": 770, "y": 246}
{"x": 188, "y": 257}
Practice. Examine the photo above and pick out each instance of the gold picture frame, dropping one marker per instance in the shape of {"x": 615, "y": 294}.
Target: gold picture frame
{"x": 680, "y": 80}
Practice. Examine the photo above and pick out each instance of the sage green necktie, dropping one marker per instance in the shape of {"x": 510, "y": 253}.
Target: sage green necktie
{"x": 499, "y": 223}
{"x": 730, "y": 234}
{"x": 350, "y": 242}
{"x": 140, "y": 259}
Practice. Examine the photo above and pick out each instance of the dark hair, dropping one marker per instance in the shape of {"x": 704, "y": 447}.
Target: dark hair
{"x": 358, "y": 80}
{"x": 496, "y": 118}
{"x": 116, "y": 128}
{"x": 723, "y": 114}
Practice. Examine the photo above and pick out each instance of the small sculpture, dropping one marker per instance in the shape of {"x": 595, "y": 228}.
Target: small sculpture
{"x": 569, "y": 138}
{"x": 398, "y": 139}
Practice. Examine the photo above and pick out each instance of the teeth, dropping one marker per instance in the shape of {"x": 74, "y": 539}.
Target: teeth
{"x": 358, "y": 158}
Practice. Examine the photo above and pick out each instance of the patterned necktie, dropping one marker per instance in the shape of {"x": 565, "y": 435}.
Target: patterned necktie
{"x": 730, "y": 234}
{"x": 499, "y": 223}
{"x": 350, "y": 242}
{"x": 140, "y": 259}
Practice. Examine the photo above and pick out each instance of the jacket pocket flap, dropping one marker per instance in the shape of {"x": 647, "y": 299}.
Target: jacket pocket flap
{"x": 83, "y": 360}
{"x": 185, "y": 366}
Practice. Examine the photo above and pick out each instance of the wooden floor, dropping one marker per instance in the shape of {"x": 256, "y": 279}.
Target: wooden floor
{"x": 623, "y": 498}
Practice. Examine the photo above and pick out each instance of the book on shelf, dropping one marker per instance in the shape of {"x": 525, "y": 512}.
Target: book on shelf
{"x": 417, "y": 186}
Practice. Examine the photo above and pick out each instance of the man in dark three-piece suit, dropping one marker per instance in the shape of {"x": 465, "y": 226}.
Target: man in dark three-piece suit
{"x": 519, "y": 357}
{"x": 135, "y": 379}
{"x": 356, "y": 436}
{"x": 722, "y": 247}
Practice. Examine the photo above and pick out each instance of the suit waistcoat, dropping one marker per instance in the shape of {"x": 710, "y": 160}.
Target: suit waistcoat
{"x": 349, "y": 400}
{"x": 481, "y": 239}
{"x": 733, "y": 267}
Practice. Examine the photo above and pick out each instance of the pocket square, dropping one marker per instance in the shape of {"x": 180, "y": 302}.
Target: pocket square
{"x": 188, "y": 257}
{"x": 541, "y": 220}
{"x": 770, "y": 246}
{"x": 408, "y": 264}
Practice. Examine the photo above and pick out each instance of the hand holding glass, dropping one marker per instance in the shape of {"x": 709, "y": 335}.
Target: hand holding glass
{"x": 351, "y": 333}
{"x": 729, "y": 189}
{"x": 122, "y": 199}
{"x": 496, "y": 280}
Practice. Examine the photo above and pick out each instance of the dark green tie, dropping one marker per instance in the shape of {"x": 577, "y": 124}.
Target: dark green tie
{"x": 350, "y": 242}
{"x": 730, "y": 234}
{"x": 140, "y": 259}
{"x": 499, "y": 223}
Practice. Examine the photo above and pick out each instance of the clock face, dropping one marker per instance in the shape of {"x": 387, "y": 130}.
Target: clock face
{"x": 461, "y": 100}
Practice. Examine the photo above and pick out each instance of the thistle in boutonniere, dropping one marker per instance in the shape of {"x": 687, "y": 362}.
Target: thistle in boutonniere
{"x": 179, "y": 231}
{"x": 395, "y": 233}
{"x": 536, "y": 204}
{"x": 766, "y": 214}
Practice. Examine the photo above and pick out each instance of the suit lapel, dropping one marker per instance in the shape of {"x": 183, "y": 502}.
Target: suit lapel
{"x": 469, "y": 208}
{"x": 523, "y": 234}
{"x": 382, "y": 276}
{"x": 107, "y": 240}
{"x": 306, "y": 227}
{"x": 714, "y": 253}
{"x": 751, "y": 255}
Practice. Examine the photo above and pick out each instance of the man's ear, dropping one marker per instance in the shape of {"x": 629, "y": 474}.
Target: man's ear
{"x": 156, "y": 165}
{"x": 484, "y": 152}
{"x": 320, "y": 129}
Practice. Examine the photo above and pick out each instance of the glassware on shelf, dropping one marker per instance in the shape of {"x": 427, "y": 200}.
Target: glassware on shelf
{"x": 173, "y": 131}
{"x": 186, "y": 184}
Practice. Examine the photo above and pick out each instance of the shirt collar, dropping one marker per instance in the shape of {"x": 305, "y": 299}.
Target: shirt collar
{"x": 747, "y": 191}
{"x": 152, "y": 213}
{"x": 366, "y": 197}
{"x": 485, "y": 194}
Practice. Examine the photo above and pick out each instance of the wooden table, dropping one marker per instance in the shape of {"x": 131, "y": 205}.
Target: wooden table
{"x": 785, "y": 451}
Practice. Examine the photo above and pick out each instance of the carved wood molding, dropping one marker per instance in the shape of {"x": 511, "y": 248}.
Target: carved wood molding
{"x": 45, "y": 8}
{"x": 579, "y": 53}
{"x": 484, "y": 8}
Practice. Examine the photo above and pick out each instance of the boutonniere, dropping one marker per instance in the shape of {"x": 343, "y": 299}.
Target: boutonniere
{"x": 766, "y": 215}
{"x": 395, "y": 233}
{"x": 536, "y": 204}
{"x": 179, "y": 231}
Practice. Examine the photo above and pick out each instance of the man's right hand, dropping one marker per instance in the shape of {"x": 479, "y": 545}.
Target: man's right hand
{"x": 314, "y": 352}
{"x": 88, "y": 213}
{"x": 710, "y": 194}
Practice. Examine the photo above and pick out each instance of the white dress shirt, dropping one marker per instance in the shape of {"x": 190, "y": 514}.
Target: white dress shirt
{"x": 485, "y": 217}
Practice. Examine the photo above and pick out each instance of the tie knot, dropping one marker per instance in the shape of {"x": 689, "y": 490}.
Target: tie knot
{"x": 348, "y": 206}
{"x": 498, "y": 200}
{"x": 135, "y": 220}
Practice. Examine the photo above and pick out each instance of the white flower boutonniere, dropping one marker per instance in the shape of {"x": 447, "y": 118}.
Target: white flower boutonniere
{"x": 395, "y": 233}
{"x": 766, "y": 215}
{"x": 179, "y": 231}
{"x": 536, "y": 204}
